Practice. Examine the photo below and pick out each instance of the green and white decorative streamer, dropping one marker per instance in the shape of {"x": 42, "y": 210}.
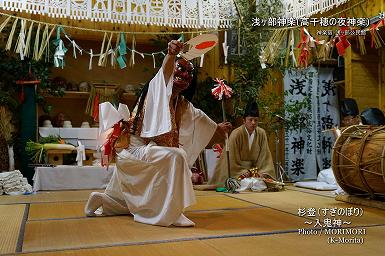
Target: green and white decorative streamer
{"x": 60, "y": 51}
{"x": 122, "y": 49}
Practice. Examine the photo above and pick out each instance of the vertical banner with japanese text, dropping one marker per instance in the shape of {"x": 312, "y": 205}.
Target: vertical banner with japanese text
{"x": 327, "y": 116}
{"x": 300, "y": 144}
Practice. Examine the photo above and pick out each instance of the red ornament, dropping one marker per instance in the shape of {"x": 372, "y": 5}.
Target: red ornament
{"x": 205, "y": 45}
{"x": 218, "y": 149}
{"x": 95, "y": 112}
{"x": 343, "y": 42}
{"x": 221, "y": 89}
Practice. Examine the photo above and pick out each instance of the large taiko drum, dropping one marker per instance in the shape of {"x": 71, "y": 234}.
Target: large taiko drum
{"x": 358, "y": 160}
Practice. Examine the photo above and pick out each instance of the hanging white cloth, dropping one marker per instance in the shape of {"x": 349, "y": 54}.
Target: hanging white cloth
{"x": 156, "y": 119}
{"x": 81, "y": 153}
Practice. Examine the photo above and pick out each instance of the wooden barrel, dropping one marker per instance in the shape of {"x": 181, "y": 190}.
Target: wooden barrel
{"x": 358, "y": 160}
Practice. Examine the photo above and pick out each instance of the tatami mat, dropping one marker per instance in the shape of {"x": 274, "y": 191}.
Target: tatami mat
{"x": 361, "y": 201}
{"x": 47, "y": 196}
{"x": 63, "y": 196}
{"x": 292, "y": 201}
{"x": 56, "y": 210}
{"x": 226, "y": 224}
{"x": 80, "y": 233}
{"x": 288, "y": 244}
{"x": 327, "y": 193}
{"x": 11, "y": 218}
{"x": 218, "y": 201}
{"x": 205, "y": 192}
{"x": 293, "y": 244}
{"x": 76, "y": 209}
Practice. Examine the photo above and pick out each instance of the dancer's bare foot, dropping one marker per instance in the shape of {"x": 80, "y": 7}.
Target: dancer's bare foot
{"x": 94, "y": 202}
{"x": 183, "y": 221}
{"x": 100, "y": 204}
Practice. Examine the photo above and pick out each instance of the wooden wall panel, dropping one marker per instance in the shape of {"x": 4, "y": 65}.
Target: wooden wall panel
{"x": 362, "y": 78}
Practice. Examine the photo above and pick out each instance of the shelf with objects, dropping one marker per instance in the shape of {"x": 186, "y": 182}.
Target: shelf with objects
{"x": 75, "y": 122}
{"x": 72, "y": 102}
{"x": 74, "y": 119}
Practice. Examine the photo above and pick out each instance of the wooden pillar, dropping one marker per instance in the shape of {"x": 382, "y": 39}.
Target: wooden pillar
{"x": 348, "y": 73}
{"x": 381, "y": 79}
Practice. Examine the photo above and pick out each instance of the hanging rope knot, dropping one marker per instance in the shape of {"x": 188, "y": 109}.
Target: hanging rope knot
{"x": 221, "y": 89}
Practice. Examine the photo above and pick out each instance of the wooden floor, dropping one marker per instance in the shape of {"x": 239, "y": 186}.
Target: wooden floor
{"x": 53, "y": 223}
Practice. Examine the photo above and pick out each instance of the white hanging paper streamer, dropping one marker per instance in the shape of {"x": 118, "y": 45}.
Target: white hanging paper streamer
{"x": 45, "y": 40}
{"x": 102, "y": 50}
{"x": 91, "y": 56}
{"x": 202, "y": 59}
{"x": 20, "y": 45}
{"x": 10, "y": 38}
{"x": 311, "y": 40}
{"x": 115, "y": 53}
{"x": 225, "y": 47}
{"x": 81, "y": 153}
{"x": 292, "y": 48}
{"x": 47, "y": 52}
{"x": 141, "y": 54}
{"x": 75, "y": 46}
{"x": 2, "y": 26}
{"x": 132, "y": 59}
{"x": 36, "y": 45}
{"x": 18, "y": 37}
{"x": 28, "y": 40}
{"x": 153, "y": 59}
{"x": 113, "y": 57}
{"x": 108, "y": 51}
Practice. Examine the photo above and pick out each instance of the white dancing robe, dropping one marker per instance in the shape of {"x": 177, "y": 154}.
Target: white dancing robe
{"x": 155, "y": 181}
